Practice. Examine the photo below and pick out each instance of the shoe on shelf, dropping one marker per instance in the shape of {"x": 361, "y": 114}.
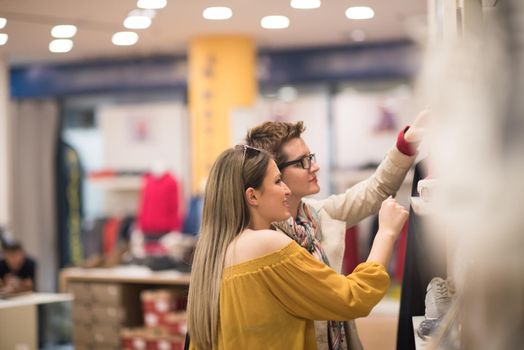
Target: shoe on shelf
{"x": 426, "y": 328}
{"x": 438, "y": 299}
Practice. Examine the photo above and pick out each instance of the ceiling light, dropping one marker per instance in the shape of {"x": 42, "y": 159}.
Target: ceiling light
{"x": 360, "y": 12}
{"x": 61, "y": 45}
{"x": 142, "y": 12}
{"x": 274, "y": 22}
{"x": 3, "y": 22}
{"x": 125, "y": 38}
{"x": 217, "y": 13}
{"x": 358, "y": 35}
{"x": 3, "y": 38}
{"x": 151, "y": 4}
{"x": 63, "y": 31}
{"x": 137, "y": 22}
{"x": 305, "y": 4}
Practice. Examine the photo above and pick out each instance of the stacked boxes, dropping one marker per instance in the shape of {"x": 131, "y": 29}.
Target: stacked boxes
{"x": 164, "y": 320}
{"x": 150, "y": 339}
{"x": 100, "y": 311}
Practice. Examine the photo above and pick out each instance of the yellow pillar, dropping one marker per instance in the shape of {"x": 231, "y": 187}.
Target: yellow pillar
{"x": 221, "y": 76}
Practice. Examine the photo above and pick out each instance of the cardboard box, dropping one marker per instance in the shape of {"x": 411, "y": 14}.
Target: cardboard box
{"x": 81, "y": 313}
{"x": 106, "y": 336}
{"x": 82, "y": 334}
{"x": 81, "y": 291}
{"x": 107, "y": 293}
{"x": 108, "y": 314}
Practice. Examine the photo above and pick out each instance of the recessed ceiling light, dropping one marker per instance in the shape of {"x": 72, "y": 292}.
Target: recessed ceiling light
{"x": 142, "y": 12}
{"x": 137, "y": 22}
{"x": 3, "y": 22}
{"x": 275, "y": 22}
{"x": 151, "y": 4}
{"x": 61, "y": 45}
{"x": 358, "y": 35}
{"x": 125, "y": 38}
{"x": 217, "y": 13}
{"x": 3, "y": 38}
{"x": 63, "y": 31}
{"x": 360, "y": 12}
{"x": 305, "y": 4}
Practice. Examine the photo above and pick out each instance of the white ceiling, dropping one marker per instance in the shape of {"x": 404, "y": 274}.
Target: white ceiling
{"x": 30, "y": 22}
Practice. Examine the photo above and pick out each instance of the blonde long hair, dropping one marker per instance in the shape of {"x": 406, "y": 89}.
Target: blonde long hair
{"x": 225, "y": 215}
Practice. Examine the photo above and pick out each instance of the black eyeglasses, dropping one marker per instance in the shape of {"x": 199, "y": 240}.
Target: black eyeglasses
{"x": 305, "y": 162}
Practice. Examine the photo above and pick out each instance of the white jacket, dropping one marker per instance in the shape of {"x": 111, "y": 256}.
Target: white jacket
{"x": 338, "y": 212}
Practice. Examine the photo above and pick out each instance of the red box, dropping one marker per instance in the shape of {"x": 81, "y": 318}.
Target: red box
{"x": 156, "y": 304}
{"x": 176, "y": 323}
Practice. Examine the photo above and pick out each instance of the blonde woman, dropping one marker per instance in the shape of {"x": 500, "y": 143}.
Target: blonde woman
{"x": 255, "y": 288}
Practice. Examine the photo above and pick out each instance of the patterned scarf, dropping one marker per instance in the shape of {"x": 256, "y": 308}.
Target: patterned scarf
{"x": 306, "y": 231}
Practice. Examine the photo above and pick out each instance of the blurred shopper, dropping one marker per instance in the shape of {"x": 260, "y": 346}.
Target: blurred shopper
{"x": 17, "y": 270}
{"x": 476, "y": 84}
{"x": 255, "y": 288}
{"x": 320, "y": 226}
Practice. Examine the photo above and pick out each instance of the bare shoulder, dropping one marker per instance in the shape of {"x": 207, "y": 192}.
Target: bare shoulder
{"x": 254, "y": 244}
{"x": 270, "y": 240}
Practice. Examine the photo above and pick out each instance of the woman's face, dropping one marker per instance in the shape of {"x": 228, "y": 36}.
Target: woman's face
{"x": 302, "y": 182}
{"x": 272, "y": 195}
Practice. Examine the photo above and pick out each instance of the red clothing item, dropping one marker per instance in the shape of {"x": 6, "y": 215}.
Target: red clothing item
{"x": 407, "y": 148}
{"x": 110, "y": 237}
{"x": 401, "y": 252}
{"x": 351, "y": 258}
{"x": 160, "y": 207}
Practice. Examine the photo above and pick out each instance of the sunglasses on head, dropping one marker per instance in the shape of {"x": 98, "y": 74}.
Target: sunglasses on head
{"x": 305, "y": 162}
{"x": 248, "y": 150}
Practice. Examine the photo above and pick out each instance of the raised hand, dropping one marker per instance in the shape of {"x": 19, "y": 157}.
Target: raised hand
{"x": 391, "y": 217}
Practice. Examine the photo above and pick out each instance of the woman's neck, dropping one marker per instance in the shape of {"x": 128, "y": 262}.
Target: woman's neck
{"x": 257, "y": 223}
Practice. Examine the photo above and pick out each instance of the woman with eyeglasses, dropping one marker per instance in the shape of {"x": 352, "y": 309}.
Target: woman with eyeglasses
{"x": 320, "y": 226}
{"x": 253, "y": 287}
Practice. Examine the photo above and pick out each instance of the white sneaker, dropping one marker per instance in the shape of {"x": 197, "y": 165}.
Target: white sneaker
{"x": 438, "y": 299}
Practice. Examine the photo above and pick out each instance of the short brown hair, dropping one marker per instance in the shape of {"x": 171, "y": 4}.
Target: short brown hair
{"x": 271, "y": 136}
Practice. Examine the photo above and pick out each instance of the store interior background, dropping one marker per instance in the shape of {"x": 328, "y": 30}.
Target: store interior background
{"x": 352, "y": 82}
{"x": 339, "y": 110}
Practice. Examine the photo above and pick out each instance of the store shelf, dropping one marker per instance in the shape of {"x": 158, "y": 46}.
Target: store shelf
{"x": 118, "y": 183}
{"x": 420, "y": 343}
{"x": 134, "y": 275}
{"x": 34, "y": 299}
{"x": 420, "y": 207}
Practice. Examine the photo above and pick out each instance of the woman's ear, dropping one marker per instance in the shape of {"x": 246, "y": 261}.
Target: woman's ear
{"x": 251, "y": 196}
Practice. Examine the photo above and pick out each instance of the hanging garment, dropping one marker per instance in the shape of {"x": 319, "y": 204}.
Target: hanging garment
{"x": 194, "y": 215}
{"x": 92, "y": 237}
{"x": 351, "y": 258}
{"x": 160, "y": 207}
{"x": 400, "y": 257}
{"x": 70, "y": 175}
{"x": 419, "y": 269}
{"x": 110, "y": 236}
